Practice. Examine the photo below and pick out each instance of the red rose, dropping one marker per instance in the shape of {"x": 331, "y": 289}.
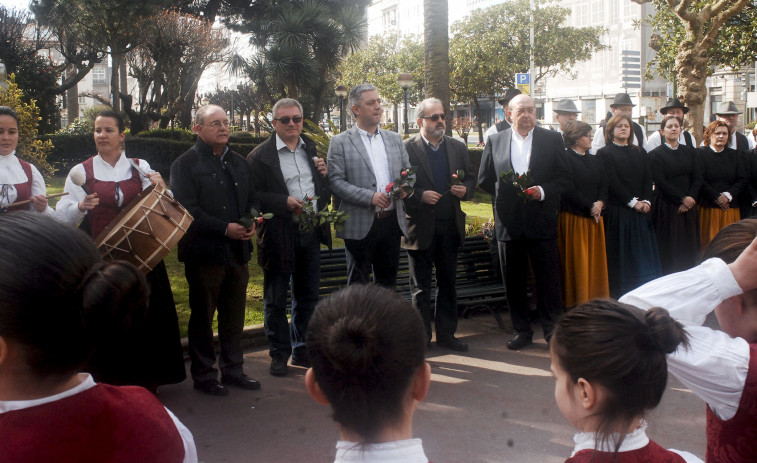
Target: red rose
{"x": 531, "y": 191}
{"x": 260, "y": 220}
{"x": 454, "y": 176}
{"x": 403, "y": 173}
{"x": 390, "y": 187}
{"x": 310, "y": 198}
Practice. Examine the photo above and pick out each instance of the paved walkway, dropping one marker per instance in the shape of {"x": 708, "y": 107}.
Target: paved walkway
{"x": 487, "y": 405}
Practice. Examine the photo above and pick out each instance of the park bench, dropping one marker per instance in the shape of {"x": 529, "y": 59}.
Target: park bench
{"x": 479, "y": 286}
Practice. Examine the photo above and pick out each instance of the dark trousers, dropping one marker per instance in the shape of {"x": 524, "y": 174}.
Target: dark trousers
{"x": 288, "y": 338}
{"x": 441, "y": 254}
{"x": 545, "y": 262}
{"x": 378, "y": 251}
{"x": 223, "y": 287}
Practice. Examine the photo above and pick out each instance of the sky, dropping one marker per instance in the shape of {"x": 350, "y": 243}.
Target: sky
{"x": 17, "y": 4}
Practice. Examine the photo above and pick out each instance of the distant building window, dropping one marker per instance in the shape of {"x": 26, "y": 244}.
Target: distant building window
{"x": 82, "y": 99}
{"x": 98, "y": 76}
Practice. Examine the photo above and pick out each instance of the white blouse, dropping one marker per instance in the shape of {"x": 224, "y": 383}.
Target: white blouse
{"x": 401, "y": 451}
{"x": 633, "y": 441}
{"x": 190, "y": 450}
{"x": 715, "y": 365}
{"x": 12, "y": 173}
{"x": 67, "y": 208}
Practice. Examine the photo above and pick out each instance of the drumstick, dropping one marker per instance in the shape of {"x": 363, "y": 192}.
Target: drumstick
{"x": 79, "y": 179}
{"x": 21, "y": 203}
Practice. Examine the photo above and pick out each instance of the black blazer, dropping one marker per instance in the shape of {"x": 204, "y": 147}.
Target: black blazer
{"x": 197, "y": 183}
{"x": 276, "y": 236}
{"x": 515, "y": 217}
{"x": 421, "y": 221}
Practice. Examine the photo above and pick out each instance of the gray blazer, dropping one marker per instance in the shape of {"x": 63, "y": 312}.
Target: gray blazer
{"x": 353, "y": 181}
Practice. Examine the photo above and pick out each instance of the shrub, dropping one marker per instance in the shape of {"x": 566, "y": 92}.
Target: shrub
{"x": 184, "y": 135}
{"x": 30, "y": 148}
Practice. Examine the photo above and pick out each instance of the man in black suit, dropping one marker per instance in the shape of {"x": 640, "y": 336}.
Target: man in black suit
{"x": 285, "y": 170}
{"x": 527, "y": 221}
{"x": 215, "y": 185}
{"x": 435, "y": 221}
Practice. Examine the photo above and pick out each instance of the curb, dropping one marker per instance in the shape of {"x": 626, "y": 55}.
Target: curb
{"x": 252, "y": 336}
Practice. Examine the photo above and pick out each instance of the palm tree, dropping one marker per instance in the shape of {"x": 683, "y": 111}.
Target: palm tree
{"x": 436, "y": 51}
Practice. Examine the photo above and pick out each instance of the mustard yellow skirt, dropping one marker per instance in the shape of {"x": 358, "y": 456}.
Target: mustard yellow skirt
{"x": 714, "y": 219}
{"x": 583, "y": 259}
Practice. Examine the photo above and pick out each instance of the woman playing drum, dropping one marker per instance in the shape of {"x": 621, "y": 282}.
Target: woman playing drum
{"x": 19, "y": 180}
{"x": 99, "y": 188}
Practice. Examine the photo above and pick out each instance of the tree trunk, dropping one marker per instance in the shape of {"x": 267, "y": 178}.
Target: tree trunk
{"x": 478, "y": 123}
{"x": 396, "y": 115}
{"x": 72, "y": 100}
{"x": 115, "y": 97}
{"x": 436, "y": 52}
{"x": 124, "y": 85}
{"x": 691, "y": 74}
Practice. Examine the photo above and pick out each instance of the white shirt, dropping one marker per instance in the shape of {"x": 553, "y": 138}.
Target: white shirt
{"x": 655, "y": 139}
{"x": 599, "y": 139}
{"x": 11, "y": 173}
{"x": 190, "y": 451}
{"x": 490, "y": 131}
{"x": 401, "y": 451}
{"x": 67, "y": 209}
{"x": 376, "y": 149}
{"x": 295, "y": 167}
{"x": 520, "y": 154}
{"x": 633, "y": 441}
{"x": 715, "y": 365}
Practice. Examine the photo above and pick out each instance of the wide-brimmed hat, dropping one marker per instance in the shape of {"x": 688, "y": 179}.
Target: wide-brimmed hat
{"x": 727, "y": 107}
{"x": 509, "y": 95}
{"x": 673, "y": 103}
{"x": 622, "y": 99}
{"x": 566, "y": 106}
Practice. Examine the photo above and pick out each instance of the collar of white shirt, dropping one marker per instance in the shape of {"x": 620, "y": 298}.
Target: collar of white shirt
{"x": 280, "y": 143}
{"x": 521, "y": 138}
{"x": 433, "y": 148}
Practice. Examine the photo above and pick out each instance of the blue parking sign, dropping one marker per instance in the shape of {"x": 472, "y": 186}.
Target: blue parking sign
{"x": 522, "y": 79}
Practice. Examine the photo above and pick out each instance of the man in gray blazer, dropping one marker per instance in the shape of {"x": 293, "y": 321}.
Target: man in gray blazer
{"x": 436, "y": 223}
{"x": 362, "y": 162}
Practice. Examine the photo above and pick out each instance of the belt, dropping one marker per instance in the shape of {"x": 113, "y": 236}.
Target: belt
{"x": 384, "y": 214}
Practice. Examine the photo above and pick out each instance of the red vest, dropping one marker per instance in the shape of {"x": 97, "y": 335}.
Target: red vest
{"x": 735, "y": 440}
{"x": 649, "y": 453}
{"x": 108, "y": 209}
{"x": 23, "y": 190}
{"x": 104, "y": 424}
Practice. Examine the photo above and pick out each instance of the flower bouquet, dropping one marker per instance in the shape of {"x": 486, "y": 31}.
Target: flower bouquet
{"x": 405, "y": 183}
{"x": 310, "y": 219}
{"x": 521, "y": 184}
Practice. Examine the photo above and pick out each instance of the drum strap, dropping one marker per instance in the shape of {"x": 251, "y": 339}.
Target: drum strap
{"x": 23, "y": 190}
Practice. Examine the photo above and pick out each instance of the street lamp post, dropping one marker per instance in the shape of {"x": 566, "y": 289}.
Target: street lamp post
{"x": 341, "y": 92}
{"x": 406, "y": 82}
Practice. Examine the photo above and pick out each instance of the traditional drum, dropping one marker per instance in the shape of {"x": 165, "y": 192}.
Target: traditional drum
{"x": 146, "y": 230}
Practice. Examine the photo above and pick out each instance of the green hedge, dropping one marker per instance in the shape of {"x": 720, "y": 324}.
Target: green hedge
{"x": 70, "y": 150}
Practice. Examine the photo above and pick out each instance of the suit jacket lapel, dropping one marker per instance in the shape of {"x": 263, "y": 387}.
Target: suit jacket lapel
{"x": 451, "y": 157}
{"x": 357, "y": 142}
{"x": 420, "y": 152}
{"x": 270, "y": 157}
{"x": 507, "y": 162}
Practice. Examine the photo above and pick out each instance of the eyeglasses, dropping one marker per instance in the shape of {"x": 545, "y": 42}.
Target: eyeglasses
{"x": 285, "y": 120}
{"x": 217, "y": 124}
{"x": 436, "y": 117}
{"x": 590, "y": 135}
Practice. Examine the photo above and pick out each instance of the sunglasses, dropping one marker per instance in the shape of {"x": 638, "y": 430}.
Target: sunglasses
{"x": 285, "y": 120}
{"x": 436, "y": 117}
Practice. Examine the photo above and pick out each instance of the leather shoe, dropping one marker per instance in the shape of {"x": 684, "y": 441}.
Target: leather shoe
{"x": 519, "y": 341}
{"x": 278, "y": 366}
{"x": 243, "y": 382}
{"x": 303, "y": 361}
{"x": 453, "y": 344}
{"x": 211, "y": 387}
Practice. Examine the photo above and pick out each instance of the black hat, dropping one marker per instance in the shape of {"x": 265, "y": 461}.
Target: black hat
{"x": 566, "y": 106}
{"x": 674, "y": 103}
{"x": 509, "y": 95}
{"x": 622, "y": 99}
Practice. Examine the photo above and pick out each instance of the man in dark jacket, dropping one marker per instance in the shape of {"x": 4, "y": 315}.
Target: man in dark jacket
{"x": 435, "y": 221}
{"x": 286, "y": 170}
{"x": 215, "y": 185}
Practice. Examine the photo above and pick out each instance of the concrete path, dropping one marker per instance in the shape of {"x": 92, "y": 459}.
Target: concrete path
{"x": 487, "y": 405}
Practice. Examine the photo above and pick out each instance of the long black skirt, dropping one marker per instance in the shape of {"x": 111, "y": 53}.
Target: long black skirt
{"x": 632, "y": 256}
{"x": 149, "y": 354}
{"x": 677, "y": 235}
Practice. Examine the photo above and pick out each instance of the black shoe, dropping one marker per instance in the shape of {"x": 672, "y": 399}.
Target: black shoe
{"x": 242, "y": 382}
{"x": 278, "y": 366}
{"x": 211, "y": 387}
{"x": 453, "y": 344}
{"x": 519, "y": 341}
{"x": 301, "y": 361}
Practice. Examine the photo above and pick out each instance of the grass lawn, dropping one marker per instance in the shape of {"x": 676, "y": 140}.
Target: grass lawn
{"x": 479, "y": 209}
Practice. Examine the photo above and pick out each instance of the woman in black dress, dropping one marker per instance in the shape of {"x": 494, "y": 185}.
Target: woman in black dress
{"x": 723, "y": 178}
{"x": 632, "y": 256}
{"x": 677, "y": 182}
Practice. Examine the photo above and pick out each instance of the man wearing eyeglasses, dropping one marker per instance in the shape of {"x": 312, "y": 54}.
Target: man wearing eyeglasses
{"x": 215, "y": 185}
{"x": 362, "y": 162}
{"x": 286, "y": 170}
{"x": 435, "y": 221}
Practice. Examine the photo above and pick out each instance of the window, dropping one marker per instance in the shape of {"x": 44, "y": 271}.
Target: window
{"x": 82, "y": 99}
{"x": 98, "y": 76}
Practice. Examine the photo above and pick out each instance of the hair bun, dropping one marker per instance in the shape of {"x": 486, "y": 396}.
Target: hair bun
{"x": 356, "y": 345}
{"x": 114, "y": 298}
{"x": 665, "y": 333}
